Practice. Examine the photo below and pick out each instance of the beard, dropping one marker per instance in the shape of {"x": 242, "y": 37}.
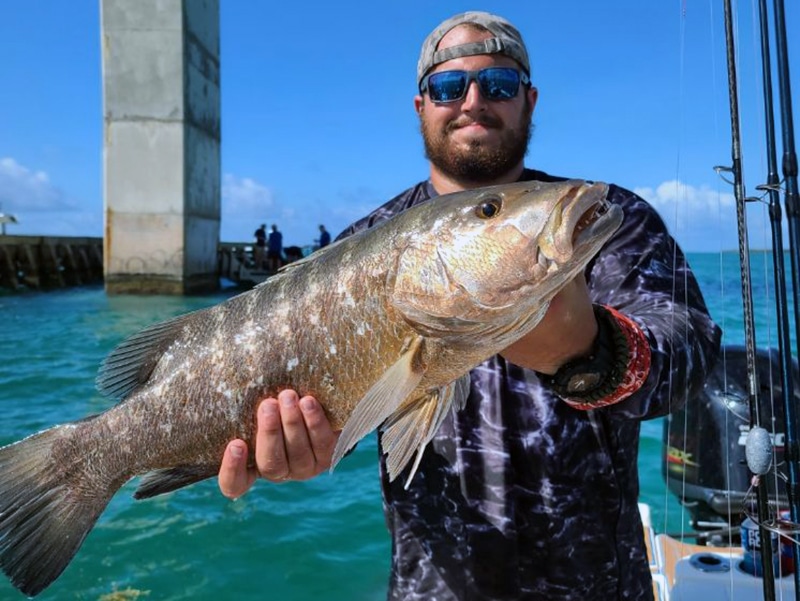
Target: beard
{"x": 480, "y": 162}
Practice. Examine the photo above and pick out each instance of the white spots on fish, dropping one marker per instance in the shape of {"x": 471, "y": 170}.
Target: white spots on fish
{"x": 363, "y": 327}
{"x": 313, "y": 288}
{"x": 257, "y": 383}
{"x": 217, "y": 354}
{"x": 344, "y": 294}
{"x": 242, "y": 338}
{"x": 332, "y": 349}
{"x": 292, "y": 363}
{"x": 284, "y": 331}
{"x": 348, "y": 302}
{"x": 225, "y": 391}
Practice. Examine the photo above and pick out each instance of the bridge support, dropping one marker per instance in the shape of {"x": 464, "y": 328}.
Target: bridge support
{"x": 161, "y": 145}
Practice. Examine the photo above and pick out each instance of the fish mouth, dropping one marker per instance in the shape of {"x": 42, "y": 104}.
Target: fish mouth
{"x": 589, "y": 218}
{"x": 580, "y": 223}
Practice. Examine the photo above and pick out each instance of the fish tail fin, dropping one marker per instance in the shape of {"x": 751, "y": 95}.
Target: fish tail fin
{"x": 47, "y": 507}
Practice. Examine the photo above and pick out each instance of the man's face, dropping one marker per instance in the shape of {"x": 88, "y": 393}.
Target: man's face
{"x": 473, "y": 138}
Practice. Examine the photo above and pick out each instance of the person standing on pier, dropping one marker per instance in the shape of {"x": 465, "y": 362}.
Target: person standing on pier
{"x": 274, "y": 249}
{"x": 260, "y": 247}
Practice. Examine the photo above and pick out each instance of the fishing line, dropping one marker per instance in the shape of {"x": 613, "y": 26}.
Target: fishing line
{"x": 677, "y": 221}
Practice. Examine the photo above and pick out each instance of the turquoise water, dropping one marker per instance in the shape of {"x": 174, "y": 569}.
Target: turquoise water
{"x": 323, "y": 539}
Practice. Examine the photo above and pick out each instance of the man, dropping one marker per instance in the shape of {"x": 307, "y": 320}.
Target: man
{"x": 274, "y": 249}
{"x": 529, "y": 492}
{"x": 324, "y": 237}
{"x": 261, "y": 245}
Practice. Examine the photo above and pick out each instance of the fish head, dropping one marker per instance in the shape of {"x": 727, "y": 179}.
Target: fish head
{"x": 488, "y": 261}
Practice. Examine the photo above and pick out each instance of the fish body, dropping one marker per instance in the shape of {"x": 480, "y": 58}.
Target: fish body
{"x": 382, "y": 328}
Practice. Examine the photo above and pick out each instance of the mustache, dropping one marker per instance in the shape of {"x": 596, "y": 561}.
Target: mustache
{"x": 465, "y": 120}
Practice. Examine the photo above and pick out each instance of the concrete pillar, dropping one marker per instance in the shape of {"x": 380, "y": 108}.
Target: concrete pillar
{"x": 161, "y": 149}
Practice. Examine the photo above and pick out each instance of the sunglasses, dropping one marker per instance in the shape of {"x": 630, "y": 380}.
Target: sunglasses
{"x": 496, "y": 83}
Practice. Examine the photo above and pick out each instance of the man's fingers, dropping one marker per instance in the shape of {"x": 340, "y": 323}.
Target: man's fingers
{"x": 235, "y": 478}
{"x": 302, "y": 463}
{"x": 321, "y": 435}
{"x": 271, "y": 459}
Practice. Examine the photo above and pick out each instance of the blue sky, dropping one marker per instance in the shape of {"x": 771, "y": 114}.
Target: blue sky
{"x": 317, "y": 109}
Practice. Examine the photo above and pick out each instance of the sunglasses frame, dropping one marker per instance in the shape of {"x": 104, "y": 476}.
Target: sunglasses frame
{"x": 424, "y": 85}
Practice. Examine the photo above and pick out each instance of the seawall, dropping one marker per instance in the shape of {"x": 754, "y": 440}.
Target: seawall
{"x": 49, "y": 262}
{"x": 54, "y": 262}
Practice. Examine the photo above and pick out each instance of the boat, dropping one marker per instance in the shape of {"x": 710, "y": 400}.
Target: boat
{"x": 704, "y": 465}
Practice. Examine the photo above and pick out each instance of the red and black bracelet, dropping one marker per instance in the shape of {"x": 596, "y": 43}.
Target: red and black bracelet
{"x": 615, "y": 368}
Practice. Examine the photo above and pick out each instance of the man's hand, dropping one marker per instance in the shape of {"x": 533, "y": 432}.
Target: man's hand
{"x": 294, "y": 441}
{"x": 567, "y": 331}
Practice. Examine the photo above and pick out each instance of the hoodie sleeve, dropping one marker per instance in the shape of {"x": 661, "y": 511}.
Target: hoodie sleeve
{"x": 642, "y": 273}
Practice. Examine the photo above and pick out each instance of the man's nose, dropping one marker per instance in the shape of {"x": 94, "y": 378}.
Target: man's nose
{"x": 473, "y": 99}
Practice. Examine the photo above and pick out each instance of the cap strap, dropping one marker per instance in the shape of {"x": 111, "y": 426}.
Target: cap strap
{"x": 490, "y": 46}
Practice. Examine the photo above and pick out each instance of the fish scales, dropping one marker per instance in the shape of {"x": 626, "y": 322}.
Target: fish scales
{"x": 382, "y": 328}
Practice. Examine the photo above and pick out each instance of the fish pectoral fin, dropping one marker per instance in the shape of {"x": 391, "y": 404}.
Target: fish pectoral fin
{"x": 410, "y": 429}
{"x": 173, "y": 478}
{"x": 382, "y": 399}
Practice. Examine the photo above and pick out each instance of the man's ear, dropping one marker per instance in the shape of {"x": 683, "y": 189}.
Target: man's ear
{"x": 533, "y": 96}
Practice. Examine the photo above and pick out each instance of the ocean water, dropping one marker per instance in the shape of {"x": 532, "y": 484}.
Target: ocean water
{"x": 322, "y": 539}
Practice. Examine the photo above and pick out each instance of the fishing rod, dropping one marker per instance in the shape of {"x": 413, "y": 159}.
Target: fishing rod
{"x": 791, "y": 200}
{"x": 772, "y": 188}
{"x": 762, "y": 498}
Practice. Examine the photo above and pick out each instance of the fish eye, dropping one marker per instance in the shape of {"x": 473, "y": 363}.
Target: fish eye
{"x": 488, "y": 208}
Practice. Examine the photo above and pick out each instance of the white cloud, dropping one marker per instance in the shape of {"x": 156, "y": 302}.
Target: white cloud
{"x": 703, "y": 219}
{"x": 673, "y": 197}
{"x": 22, "y": 189}
{"x": 244, "y": 195}
{"x": 245, "y": 205}
{"x": 42, "y": 208}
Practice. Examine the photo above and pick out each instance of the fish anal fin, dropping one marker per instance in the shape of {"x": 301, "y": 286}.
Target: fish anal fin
{"x": 167, "y": 480}
{"x": 383, "y": 398}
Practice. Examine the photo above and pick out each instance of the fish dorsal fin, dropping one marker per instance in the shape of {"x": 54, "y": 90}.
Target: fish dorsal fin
{"x": 130, "y": 364}
{"x": 409, "y": 430}
{"x": 383, "y": 398}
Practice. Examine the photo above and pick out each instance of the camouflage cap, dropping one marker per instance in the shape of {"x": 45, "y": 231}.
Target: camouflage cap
{"x": 507, "y": 40}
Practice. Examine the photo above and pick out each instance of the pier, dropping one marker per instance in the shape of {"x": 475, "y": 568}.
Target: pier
{"x": 42, "y": 263}
{"x": 235, "y": 262}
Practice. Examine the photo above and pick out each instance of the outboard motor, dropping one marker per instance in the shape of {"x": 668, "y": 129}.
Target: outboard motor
{"x": 704, "y": 443}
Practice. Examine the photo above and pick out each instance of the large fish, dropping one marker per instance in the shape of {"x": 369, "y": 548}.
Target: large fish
{"x": 382, "y": 328}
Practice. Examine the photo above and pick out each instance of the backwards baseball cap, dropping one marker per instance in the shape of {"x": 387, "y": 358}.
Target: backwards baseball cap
{"x": 506, "y": 40}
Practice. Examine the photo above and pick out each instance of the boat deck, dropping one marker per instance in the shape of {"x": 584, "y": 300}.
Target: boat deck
{"x": 688, "y": 572}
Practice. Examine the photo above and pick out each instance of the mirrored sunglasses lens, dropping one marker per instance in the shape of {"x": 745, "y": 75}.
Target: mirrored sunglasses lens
{"x": 498, "y": 84}
{"x": 447, "y": 86}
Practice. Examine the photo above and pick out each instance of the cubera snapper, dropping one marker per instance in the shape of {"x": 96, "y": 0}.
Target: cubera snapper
{"x": 381, "y": 327}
